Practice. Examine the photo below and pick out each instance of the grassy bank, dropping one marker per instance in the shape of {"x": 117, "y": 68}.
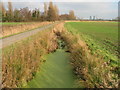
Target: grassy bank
{"x": 21, "y": 61}
{"x": 9, "y": 29}
{"x": 101, "y": 39}
{"x": 91, "y": 70}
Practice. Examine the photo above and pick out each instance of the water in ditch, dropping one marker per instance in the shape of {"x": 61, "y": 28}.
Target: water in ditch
{"x": 55, "y": 72}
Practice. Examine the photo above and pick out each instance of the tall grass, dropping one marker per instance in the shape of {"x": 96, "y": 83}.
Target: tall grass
{"x": 91, "y": 70}
{"x": 17, "y": 28}
{"x": 21, "y": 60}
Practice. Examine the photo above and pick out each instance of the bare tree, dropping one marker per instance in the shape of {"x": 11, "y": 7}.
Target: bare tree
{"x": 3, "y": 9}
{"x": 56, "y": 12}
{"x": 16, "y": 15}
{"x": 24, "y": 13}
{"x": 45, "y": 10}
{"x": 72, "y": 15}
{"x": 64, "y": 17}
{"x": 10, "y": 11}
{"x": 51, "y": 12}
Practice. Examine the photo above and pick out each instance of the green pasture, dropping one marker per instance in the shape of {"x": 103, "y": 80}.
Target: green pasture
{"x": 98, "y": 30}
{"x": 13, "y": 23}
{"x": 101, "y": 37}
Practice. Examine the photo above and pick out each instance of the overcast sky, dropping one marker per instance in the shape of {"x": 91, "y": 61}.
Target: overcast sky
{"x": 107, "y": 9}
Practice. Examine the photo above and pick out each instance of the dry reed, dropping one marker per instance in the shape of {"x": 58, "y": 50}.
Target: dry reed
{"x": 21, "y": 61}
{"x": 17, "y": 28}
{"x": 90, "y": 69}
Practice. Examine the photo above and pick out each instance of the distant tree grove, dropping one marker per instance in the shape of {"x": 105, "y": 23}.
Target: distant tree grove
{"x": 51, "y": 13}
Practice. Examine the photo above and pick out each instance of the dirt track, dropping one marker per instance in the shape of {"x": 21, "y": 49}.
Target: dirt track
{"x": 12, "y": 39}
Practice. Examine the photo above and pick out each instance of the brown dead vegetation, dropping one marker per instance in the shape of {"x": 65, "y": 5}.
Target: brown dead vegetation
{"x": 21, "y": 61}
{"x": 93, "y": 71}
{"x": 17, "y": 28}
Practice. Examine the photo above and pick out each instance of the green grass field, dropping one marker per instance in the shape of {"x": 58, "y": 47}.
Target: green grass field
{"x": 101, "y": 37}
{"x": 13, "y": 23}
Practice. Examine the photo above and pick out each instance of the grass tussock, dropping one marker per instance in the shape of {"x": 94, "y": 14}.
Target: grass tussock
{"x": 92, "y": 71}
{"x": 17, "y": 28}
{"x": 21, "y": 60}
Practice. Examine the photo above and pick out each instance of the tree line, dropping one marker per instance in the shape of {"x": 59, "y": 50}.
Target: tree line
{"x": 50, "y": 13}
